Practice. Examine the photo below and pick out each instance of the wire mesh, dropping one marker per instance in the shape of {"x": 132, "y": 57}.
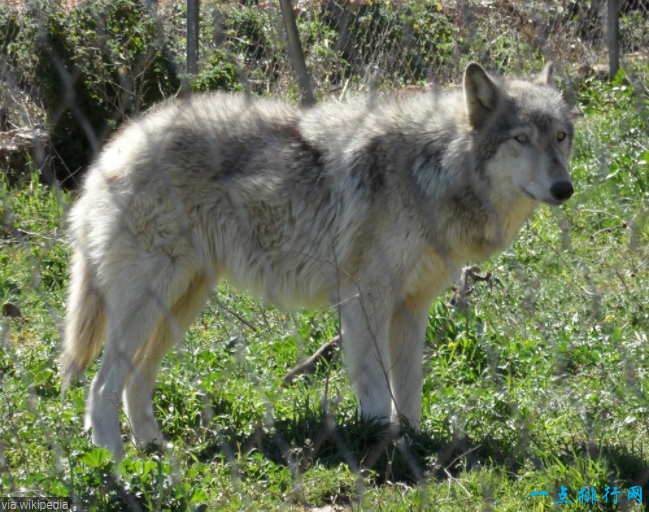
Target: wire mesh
{"x": 507, "y": 354}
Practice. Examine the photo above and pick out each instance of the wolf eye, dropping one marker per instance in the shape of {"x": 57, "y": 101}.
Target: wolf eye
{"x": 561, "y": 136}
{"x": 521, "y": 138}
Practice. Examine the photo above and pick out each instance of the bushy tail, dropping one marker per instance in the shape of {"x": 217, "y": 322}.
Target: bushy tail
{"x": 85, "y": 321}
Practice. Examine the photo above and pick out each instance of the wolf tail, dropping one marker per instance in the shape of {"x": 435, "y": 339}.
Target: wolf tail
{"x": 85, "y": 321}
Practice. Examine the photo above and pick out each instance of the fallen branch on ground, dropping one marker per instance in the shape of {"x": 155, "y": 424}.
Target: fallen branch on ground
{"x": 310, "y": 365}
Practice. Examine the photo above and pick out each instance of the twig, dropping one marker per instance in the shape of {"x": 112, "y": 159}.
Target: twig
{"x": 461, "y": 297}
{"x": 237, "y": 316}
{"x": 325, "y": 353}
{"x": 458, "y": 482}
{"x": 462, "y": 455}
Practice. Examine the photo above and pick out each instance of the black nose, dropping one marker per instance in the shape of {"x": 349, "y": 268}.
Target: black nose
{"x": 562, "y": 190}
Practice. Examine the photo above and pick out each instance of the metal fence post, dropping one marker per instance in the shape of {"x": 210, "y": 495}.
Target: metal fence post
{"x": 193, "y": 9}
{"x": 613, "y": 36}
{"x": 295, "y": 50}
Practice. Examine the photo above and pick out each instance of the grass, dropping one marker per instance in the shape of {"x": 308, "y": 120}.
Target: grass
{"x": 541, "y": 383}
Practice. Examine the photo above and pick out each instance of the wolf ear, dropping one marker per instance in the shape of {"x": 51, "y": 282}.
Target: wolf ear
{"x": 546, "y": 76}
{"x": 481, "y": 94}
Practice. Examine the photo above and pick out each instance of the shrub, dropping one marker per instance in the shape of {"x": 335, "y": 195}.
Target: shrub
{"x": 92, "y": 67}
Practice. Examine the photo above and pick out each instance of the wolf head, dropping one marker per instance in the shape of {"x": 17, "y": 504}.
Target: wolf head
{"x": 522, "y": 133}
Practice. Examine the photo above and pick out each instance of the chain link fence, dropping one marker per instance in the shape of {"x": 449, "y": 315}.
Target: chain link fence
{"x": 537, "y": 368}
{"x": 348, "y": 47}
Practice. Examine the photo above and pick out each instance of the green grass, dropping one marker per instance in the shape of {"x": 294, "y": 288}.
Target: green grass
{"x": 543, "y": 383}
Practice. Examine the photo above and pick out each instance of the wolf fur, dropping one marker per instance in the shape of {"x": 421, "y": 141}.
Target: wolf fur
{"x": 372, "y": 203}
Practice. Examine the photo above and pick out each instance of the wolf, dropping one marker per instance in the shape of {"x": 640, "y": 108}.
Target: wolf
{"x": 372, "y": 204}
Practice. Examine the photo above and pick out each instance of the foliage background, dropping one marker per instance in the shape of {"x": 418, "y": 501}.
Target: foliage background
{"x": 541, "y": 383}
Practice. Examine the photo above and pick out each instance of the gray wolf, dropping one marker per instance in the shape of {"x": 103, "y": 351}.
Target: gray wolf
{"x": 372, "y": 204}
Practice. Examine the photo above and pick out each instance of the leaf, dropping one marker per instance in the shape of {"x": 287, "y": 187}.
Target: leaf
{"x": 198, "y": 496}
{"x": 96, "y": 458}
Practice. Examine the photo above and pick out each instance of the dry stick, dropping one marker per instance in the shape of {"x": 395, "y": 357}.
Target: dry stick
{"x": 460, "y": 298}
{"x": 295, "y": 50}
{"x": 451, "y": 477}
{"x": 236, "y": 315}
{"x": 308, "y": 367}
{"x": 448, "y": 466}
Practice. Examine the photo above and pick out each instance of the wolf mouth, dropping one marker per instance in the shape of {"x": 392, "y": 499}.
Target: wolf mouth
{"x": 551, "y": 202}
{"x": 528, "y": 194}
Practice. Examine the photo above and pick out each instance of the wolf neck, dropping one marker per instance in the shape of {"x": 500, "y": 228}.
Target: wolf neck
{"x": 468, "y": 216}
{"x": 509, "y": 216}
{"x": 496, "y": 217}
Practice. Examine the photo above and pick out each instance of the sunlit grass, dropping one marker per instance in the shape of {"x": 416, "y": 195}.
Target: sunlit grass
{"x": 543, "y": 383}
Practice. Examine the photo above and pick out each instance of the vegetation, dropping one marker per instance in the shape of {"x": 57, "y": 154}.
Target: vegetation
{"x": 91, "y": 68}
{"x": 80, "y": 73}
{"x": 542, "y": 383}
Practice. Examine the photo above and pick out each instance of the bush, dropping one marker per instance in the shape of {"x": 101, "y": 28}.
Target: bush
{"x": 92, "y": 67}
{"x": 218, "y": 72}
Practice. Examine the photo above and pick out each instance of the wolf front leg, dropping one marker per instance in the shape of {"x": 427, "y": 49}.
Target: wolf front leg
{"x": 365, "y": 323}
{"x": 406, "y": 349}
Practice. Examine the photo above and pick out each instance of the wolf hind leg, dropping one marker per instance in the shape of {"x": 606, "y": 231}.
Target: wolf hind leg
{"x": 140, "y": 384}
{"x": 138, "y": 293}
